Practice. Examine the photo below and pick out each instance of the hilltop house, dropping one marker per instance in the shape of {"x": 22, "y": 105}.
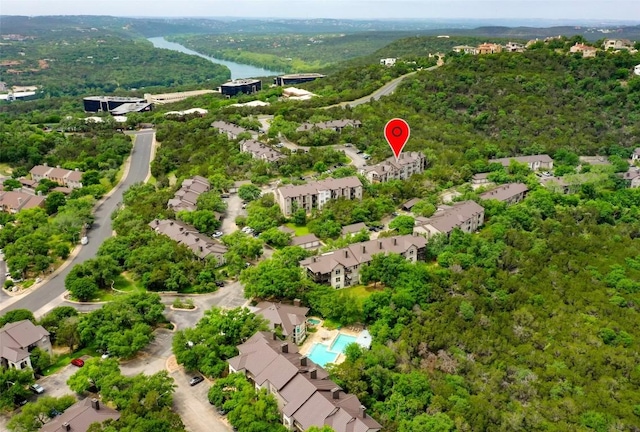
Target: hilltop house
{"x": 466, "y": 215}
{"x": 632, "y": 177}
{"x": 18, "y": 339}
{"x": 340, "y": 268}
{"x": 635, "y": 156}
{"x": 489, "y": 48}
{"x": 303, "y": 391}
{"x": 388, "y": 62}
{"x": 514, "y": 47}
{"x": 467, "y": 49}
{"x": 64, "y": 177}
{"x": 509, "y": 193}
{"x": 617, "y": 44}
{"x": 291, "y": 320}
{"x": 315, "y": 195}
{"x": 586, "y": 50}
{"x": 405, "y": 166}
{"x": 535, "y": 162}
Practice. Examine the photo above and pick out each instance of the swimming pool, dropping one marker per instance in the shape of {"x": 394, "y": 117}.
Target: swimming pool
{"x": 321, "y": 354}
{"x": 341, "y": 342}
{"x": 313, "y": 321}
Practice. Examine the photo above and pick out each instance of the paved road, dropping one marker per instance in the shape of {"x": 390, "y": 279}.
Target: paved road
{"x": 47, "y": 294}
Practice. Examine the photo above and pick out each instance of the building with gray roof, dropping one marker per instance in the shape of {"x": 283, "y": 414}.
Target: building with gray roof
{"x": 260, "y": 151}
{"x": 64, "y": 177}
{"x": 79, "y": 416}
{"x": 336, "y": 125}
{"x": 341, "y": 268}
{"x": 509, "y": 193}
{"x": 466, "y": 215}
{"x": 315, "y": 195}
{"x": 186, "y": 198}
{"x": 201, "y": 245}
{"x": 18, "y": 339}
{"x": 408, "y": 164}
{"x": 291, "y": 319}
{"x": 534, "y": 162}
{"x": 305, "y": 395}
{"x": 231, "y": 130}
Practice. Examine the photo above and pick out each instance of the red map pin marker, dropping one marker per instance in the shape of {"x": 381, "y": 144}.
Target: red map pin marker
{"x": 397, "y": 133}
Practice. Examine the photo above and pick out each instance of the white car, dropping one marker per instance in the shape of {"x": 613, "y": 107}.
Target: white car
{"x": 36, "y": 388}
{"x": 84, "y": 240}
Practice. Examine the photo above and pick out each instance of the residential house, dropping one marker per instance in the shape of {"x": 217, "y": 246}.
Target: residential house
{"x": 341, "y": 268}
{"x": 309, "y": 241}
{"x": 293, "y": 93}
{"x": 636, "y": 69}
{"x": 315, "y": 195}
{"x": 480, "y": 179}
{"x": 18, "y": 339}
{"x": 28, "y": 184}
{"x": 64, "y": 177}
{"x": 79, "y": 416}
{"x": 408, "y": 164}
{"x": 260, "y": 151}
{"x": 636, "y": 155}
{"x": 354, "y": 228}
{"x": 514, "y": 47}
{"x": 535, "y": 162}
{"x": 305, "y": 394}
{"x": 201, "y": 245}
{"x": 14, "y": 201}
{"x": 231, "y": 130}
{"x": 510, "y": 193}
{"x": 186, "y": 198}
{"x": 559, "y": 185}
{"x": 290, "y": 319}
{"x": 617, "y": 44}
{"x": 586, "y": 50}
{"x": 594, "y": 160}
{"x": 388, "y": 62}
{"x": 632, "y": 177}
{"x": 466, "y": 215}
{"x": 489, "y": 48}
{"x": 336, "y": 125}
{"x": 465, "y": 49}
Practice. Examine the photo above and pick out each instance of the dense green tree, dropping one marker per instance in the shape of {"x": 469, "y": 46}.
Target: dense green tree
{"x": 54, "y": 201}
{"x": 13, "y": 386}
{"x": 249, "y": 192}
{"x": 402, "y": 224}
{"x": 35, "y": 415}
{"x": 17, "y": 315}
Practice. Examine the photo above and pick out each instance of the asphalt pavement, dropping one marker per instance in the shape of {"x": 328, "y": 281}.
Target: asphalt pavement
{"x": 50, "y": 291}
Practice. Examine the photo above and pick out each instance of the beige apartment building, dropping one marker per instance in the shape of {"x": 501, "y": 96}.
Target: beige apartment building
{"x": 315, "y": 195}
{"x": 405, "y": 166}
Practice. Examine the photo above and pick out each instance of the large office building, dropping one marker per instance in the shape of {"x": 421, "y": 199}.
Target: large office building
{"x": 285, "y": 80}
{"x": 246, "y": 86}
{"x": 108, "y": 103}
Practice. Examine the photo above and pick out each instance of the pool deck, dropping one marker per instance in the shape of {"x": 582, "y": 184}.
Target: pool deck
{"x": 326, "y": 337}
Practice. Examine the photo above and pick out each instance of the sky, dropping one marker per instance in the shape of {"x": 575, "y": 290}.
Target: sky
{"x": 602, "y": 10}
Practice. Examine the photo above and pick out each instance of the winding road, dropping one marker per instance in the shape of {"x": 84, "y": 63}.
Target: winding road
{"x": 45, "y": 296}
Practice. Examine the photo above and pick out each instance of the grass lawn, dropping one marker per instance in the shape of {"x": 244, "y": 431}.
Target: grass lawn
{"x": 65, "y": 359}
{"x": 5, "y": 169}
{"x": 122, "y": 283}
{"x": 362, "y": 292}
{"x": 300, "y": 231}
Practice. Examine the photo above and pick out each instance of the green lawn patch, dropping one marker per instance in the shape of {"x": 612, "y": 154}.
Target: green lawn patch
{"x": 362, "y": 292}
{"x": 300, "y": 231}
{"x": 65, "y": 359}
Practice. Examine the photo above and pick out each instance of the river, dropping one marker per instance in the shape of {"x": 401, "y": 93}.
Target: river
{"x": 238, "y": 70}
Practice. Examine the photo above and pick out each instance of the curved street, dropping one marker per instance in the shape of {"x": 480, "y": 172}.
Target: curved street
{"x": 45, "y": 295}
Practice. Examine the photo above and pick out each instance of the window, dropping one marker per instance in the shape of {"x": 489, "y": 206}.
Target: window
{"x": 411, "y": 252}
{"x": 337, "y": 271}
{"x": 338, "y": 279}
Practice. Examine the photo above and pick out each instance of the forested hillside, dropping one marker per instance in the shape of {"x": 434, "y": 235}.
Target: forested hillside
{"x": 104, "y": 64}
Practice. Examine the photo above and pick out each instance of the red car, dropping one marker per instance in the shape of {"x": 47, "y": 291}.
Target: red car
{"x": 77, "y": 362}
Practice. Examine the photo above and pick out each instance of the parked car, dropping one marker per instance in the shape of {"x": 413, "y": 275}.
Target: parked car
{"x": 219, "y": 284}
{"x": 77, "y": 362}
{"x": 36, "y": 388}
{"x": 20, "y": 400}
{"x": 84, "y": 240}
{"x": 54, "y": 413}
{"x": 105, "y": 355}
{"x": 217, "y": 234}
{"x": 224, "y": 195}
{"x": 196, "y": 380}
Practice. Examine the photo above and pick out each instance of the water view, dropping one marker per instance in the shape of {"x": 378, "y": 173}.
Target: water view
{"x": 238, "y": 70}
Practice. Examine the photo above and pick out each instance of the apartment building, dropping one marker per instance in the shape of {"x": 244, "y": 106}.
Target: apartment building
{"x": 64, "y": 177}
{"x": 260, "y": 151}
{"x": 305, "y": 395}
{"x": 341, "y": 268}
{"x": 315, "y": 195}
{"x": 466, "y": 215}
{"x": 186, "y": 198}
{"x": 231, "y": 130}
{"x": 290, "y": 319}
{"x": 201, "y": 245}
{"x": 510, "y": 193}
{"x": 534, "y": 162}
{"x": 336, "y": 125}
{"x": 405, "y": 166}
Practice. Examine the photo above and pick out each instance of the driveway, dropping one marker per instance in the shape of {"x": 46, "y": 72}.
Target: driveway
{"x": 193, "y": 405}
{"x": 234, "y": 209}
{"x": 356, "y": 159}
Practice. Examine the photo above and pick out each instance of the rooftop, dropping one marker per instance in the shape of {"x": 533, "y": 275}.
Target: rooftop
{"x": 446, "y": 218}
{"x": 312, "y": 188}
{"x": 80, "y": 416}
{"x": 505, "y": 192}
